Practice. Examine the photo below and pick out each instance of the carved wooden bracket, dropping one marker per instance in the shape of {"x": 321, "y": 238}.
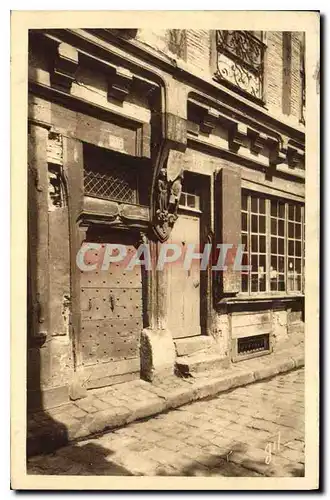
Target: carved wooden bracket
{"x": 257, "y": 140}
{"x": 294, "y": 156}
{"x": 283, "y": 152}
{"x": 169, "y": 164}
{"x": 193, "y": 128}
{"x": 208, "y": 122}
{"x": 277, "y": 151}
{"x": 65, "y": 67}
{"x": 237, "y": 135}
{"x": 167, "y": 195}
{"x": 282, "y": 149}
{"x": 167, "y": 183}
{"x": 120, "y": 83}
{"x": 203, "y": 119}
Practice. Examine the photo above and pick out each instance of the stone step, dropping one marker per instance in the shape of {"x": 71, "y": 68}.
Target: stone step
{"x": 200, "y": 362}
{"x": 190, "y": 345}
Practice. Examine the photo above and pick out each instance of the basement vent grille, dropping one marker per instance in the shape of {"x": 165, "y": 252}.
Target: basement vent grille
{"x": 255, "y": 343}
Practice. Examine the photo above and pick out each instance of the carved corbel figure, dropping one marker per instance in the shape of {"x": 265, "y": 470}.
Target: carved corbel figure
{"x": 162, "y": 200}
{"x": 174, "y": 198}
{"x": 167, "y": 203}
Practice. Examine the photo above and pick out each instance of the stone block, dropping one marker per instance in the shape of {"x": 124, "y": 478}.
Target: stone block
{"x": 286, "y": 365}
{"x": 100, "y": 405}
{"x": 190, "y": 345}
{"x": 157, "y": 354}
{"x": 242, "y": 379}
{"x": 211, "y": 387}
{"x": 180, "y": 397}
{"x": 145, "y": 409}
{"x": 266, "y": 372}
{"x": 77, "y": 391}
{"x": 201, "y": 362}
{"x": 106, "y": 419}
{"x": 299, "y": 360}
{"x": 87, "y": 405}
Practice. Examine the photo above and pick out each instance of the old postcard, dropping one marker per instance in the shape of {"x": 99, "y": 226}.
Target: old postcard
{"x": 165, "y": 235}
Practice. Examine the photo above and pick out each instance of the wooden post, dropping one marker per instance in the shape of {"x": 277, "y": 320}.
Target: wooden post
{"x": 228, "y": 224}
{"x": 74, "y": 181}
{"x": 38, "y": 231}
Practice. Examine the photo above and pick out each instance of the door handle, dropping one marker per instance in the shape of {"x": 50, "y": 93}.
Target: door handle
{"x": 196, "y": 283}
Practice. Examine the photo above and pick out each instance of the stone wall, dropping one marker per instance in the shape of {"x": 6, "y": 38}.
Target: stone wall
{"x": 198, "y": 54}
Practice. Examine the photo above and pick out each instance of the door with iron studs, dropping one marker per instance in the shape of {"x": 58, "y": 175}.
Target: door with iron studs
{"x": 111, "y": 310}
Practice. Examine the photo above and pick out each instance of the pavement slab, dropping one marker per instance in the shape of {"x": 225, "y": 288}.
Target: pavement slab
{"x": 111, "y": 408}
{"x": 197, "y": 440}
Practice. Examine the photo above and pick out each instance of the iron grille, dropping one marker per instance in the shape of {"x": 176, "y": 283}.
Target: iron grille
{"x": 240, "y": 61}
{"x": 111, "y": 183}
{"x": 255, "y": 343}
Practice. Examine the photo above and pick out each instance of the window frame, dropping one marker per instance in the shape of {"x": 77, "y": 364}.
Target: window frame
{"x": 262, "y": 41}
{"x": 100, "y": 162}
{"x": 268, "y": 235}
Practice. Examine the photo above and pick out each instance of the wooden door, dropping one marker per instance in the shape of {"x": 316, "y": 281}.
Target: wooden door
{"x": 183, "y": 304}
{"x": 111, "y": 316}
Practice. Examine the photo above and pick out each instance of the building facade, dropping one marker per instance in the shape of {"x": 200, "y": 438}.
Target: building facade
{"x": 142, "y": 137}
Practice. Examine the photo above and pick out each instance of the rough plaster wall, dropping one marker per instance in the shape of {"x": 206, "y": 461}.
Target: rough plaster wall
{"x": 156, "y": 39}
{"x": 50, "y": 365}
{"x": 197, "y": 45}
{"x": 279, "y": 326}
{"x": 196, "y": 161}
{"x": 59, "y": 270}
{"x": 198, "y": 49}
{"x": 221, "y": 333}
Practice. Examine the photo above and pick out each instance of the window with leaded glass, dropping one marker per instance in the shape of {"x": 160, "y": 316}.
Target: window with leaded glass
{"x": 272, "y": 235}
{"x": 108, "y": 176}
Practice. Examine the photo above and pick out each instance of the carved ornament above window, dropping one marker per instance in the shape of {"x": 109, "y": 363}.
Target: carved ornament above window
{"x": 240, "y": 61}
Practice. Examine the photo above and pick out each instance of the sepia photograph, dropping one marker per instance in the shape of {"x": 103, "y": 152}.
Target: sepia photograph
{"x": 165, "y": 251}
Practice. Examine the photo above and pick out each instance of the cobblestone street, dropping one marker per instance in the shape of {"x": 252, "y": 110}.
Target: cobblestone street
{"x": 256, "y": 430}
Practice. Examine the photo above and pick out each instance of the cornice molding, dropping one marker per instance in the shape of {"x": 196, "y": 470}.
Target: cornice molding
{"x": 65, "y": 66}
{"x": 82, "y": 105}
{"x": 158, "y": 67}
{"x": 197, "y": 143}
{"x": 244, "y": 133}
{"x": 178, "y": 69}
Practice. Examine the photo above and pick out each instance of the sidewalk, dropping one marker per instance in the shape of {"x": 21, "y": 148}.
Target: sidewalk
{"x": 112, "y": 407}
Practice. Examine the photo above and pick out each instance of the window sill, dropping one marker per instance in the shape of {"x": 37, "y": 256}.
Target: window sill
{"x": 244, "y": 298}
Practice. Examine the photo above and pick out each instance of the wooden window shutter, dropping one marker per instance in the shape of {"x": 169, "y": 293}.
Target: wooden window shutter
{"x": 228, "y": 226}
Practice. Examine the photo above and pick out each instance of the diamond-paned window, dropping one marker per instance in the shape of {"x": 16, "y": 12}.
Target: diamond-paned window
{"x": 107, "y": 178}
